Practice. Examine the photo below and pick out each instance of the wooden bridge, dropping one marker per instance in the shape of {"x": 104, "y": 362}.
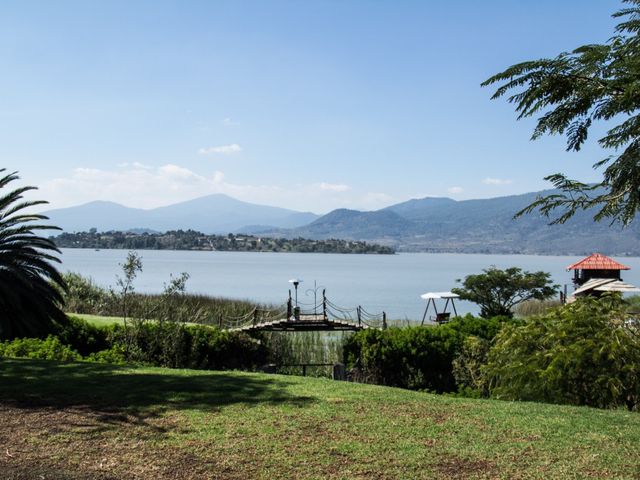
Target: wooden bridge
{"x": 300, "y": 317}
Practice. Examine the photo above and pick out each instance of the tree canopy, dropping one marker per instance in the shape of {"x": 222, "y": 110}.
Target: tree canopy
{"x": 571, "y": 92}
{"x": 497, "y": 291}
{"x": 30, "y": 285}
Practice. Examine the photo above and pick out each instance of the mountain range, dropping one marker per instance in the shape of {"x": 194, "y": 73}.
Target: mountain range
{"x": 210, "y": 214}
{"x": 427, "y": 224}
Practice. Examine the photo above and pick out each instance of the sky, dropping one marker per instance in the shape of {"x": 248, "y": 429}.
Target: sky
{"x": 310, "y": 105}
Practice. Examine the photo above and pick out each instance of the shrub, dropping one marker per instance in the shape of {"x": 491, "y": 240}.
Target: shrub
{"x": 84, "y": 296}
{"x": 586, "y": 353}
{"x": 467, "y": 366}
{"x": 51, "y": 348}
{"x": 83, "y": 336}
{"x": 419, "y": 358}
{"x": 115, "y": 355}
{"x": 175, "y": 345}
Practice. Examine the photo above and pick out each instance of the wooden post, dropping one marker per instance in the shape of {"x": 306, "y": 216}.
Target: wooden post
{"x": 255, "y": 316}
{"x": 289, "y": 312}
{"x": 304, "y": 370}
{"x": 220, "y": 320}
{"x": 359, "y": 316}
{"x": 384, "y": 320}
{"x": 324, "y": 303}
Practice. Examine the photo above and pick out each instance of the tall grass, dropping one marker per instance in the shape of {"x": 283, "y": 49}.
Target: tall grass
{"x": 289, "y": 350}
{"x": 528, "y": 308}
{"x": 84, "y": 296}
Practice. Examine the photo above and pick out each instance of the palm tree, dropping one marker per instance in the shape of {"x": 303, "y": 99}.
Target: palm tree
{"x": 30, "y": 285}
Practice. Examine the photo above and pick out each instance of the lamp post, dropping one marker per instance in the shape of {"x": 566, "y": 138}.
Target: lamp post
{"x": 296, "y": 310}
{"x": 296, "y": 282}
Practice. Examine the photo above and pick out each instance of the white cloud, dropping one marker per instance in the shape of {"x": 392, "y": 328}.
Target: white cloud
{"x": 496, "y": 181}
{"x": 174, "y": 172}
{"x": 455, "y": 190}
{"x": 218, "y": 177}
{"x": 135, "y": 165}
{"x": 334, "y": 187}
{"x": 375, "y": 201}
{"x": 230, "y": 149}
{"x": 228, "y": 122}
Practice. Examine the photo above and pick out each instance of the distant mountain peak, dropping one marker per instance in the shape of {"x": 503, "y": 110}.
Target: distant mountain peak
{"x": 215, "y": 213}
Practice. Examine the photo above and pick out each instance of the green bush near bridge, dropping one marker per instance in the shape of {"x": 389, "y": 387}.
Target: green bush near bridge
{"x": 160, "y": 344}
{"x": 418, "y": 358}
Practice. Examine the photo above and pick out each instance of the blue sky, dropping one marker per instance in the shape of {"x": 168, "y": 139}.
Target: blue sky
{"x": 310, "y": 105}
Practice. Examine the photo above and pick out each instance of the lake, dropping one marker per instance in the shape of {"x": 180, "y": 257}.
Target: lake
{"x": 392, "y": 283}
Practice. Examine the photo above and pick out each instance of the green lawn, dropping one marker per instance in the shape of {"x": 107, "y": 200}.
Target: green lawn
{"x": 97, "y": 320}
{"x": 100, "y": 320}
{"x": 81, "y": 420}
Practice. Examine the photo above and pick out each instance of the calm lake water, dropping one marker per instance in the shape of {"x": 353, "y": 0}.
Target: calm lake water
{"x": 392, "y": 283}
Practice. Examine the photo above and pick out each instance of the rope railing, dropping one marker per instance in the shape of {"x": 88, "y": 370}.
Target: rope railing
{"x": 326, "y": 308}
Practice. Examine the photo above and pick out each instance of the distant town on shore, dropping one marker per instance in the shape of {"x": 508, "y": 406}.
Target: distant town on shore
{"x": 192, "y": 240}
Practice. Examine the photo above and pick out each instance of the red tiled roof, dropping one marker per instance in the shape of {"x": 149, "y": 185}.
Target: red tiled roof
{"x": 597, "y": 261}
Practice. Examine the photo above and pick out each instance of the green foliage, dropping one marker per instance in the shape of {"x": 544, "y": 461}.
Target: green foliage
{"x": 586, "y": 353}
{"x": 572, "y": 92}
{"x": 633, "y": 303}
{"x": 165, "y": 344}
{"x": 51, "y": 348}
{"x": 84, "y": 296}
{"x": 175, "y": 345}
{"x": 82, "y": 336}
{"x": 130, "y": 269}
{"x": 467, "y": 366}
{"x": 419, "y": 358}
{"x": 29, "y": 283}
{"x": 498, "y": 291}
{"x": 114, "y": 355}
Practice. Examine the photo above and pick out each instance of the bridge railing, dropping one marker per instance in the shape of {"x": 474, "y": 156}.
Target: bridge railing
{"x": 326, "y": 308}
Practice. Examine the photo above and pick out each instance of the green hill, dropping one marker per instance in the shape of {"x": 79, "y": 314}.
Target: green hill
{"x": 85, "y": 421}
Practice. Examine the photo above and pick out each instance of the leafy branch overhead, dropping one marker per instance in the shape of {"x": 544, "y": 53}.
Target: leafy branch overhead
{"x": 571, "y": 92}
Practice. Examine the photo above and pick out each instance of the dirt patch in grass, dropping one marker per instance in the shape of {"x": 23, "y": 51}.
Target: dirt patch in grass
{"x": 77, "y": 443}
{"x": 461, "y": 468}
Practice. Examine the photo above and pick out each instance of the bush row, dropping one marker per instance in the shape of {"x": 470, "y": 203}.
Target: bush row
{"x": 585, "y": 353}
{"x": 418, "y": 358}
{"x": 161, "y": 344}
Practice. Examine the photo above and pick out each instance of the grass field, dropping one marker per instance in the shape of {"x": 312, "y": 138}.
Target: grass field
{"x": 98, "y": 320}
{"x": 80, "y": 420}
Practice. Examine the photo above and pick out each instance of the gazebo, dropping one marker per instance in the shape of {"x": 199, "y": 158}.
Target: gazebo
{"x": 598, "y": 274}
{"x": 596, "y": 266}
